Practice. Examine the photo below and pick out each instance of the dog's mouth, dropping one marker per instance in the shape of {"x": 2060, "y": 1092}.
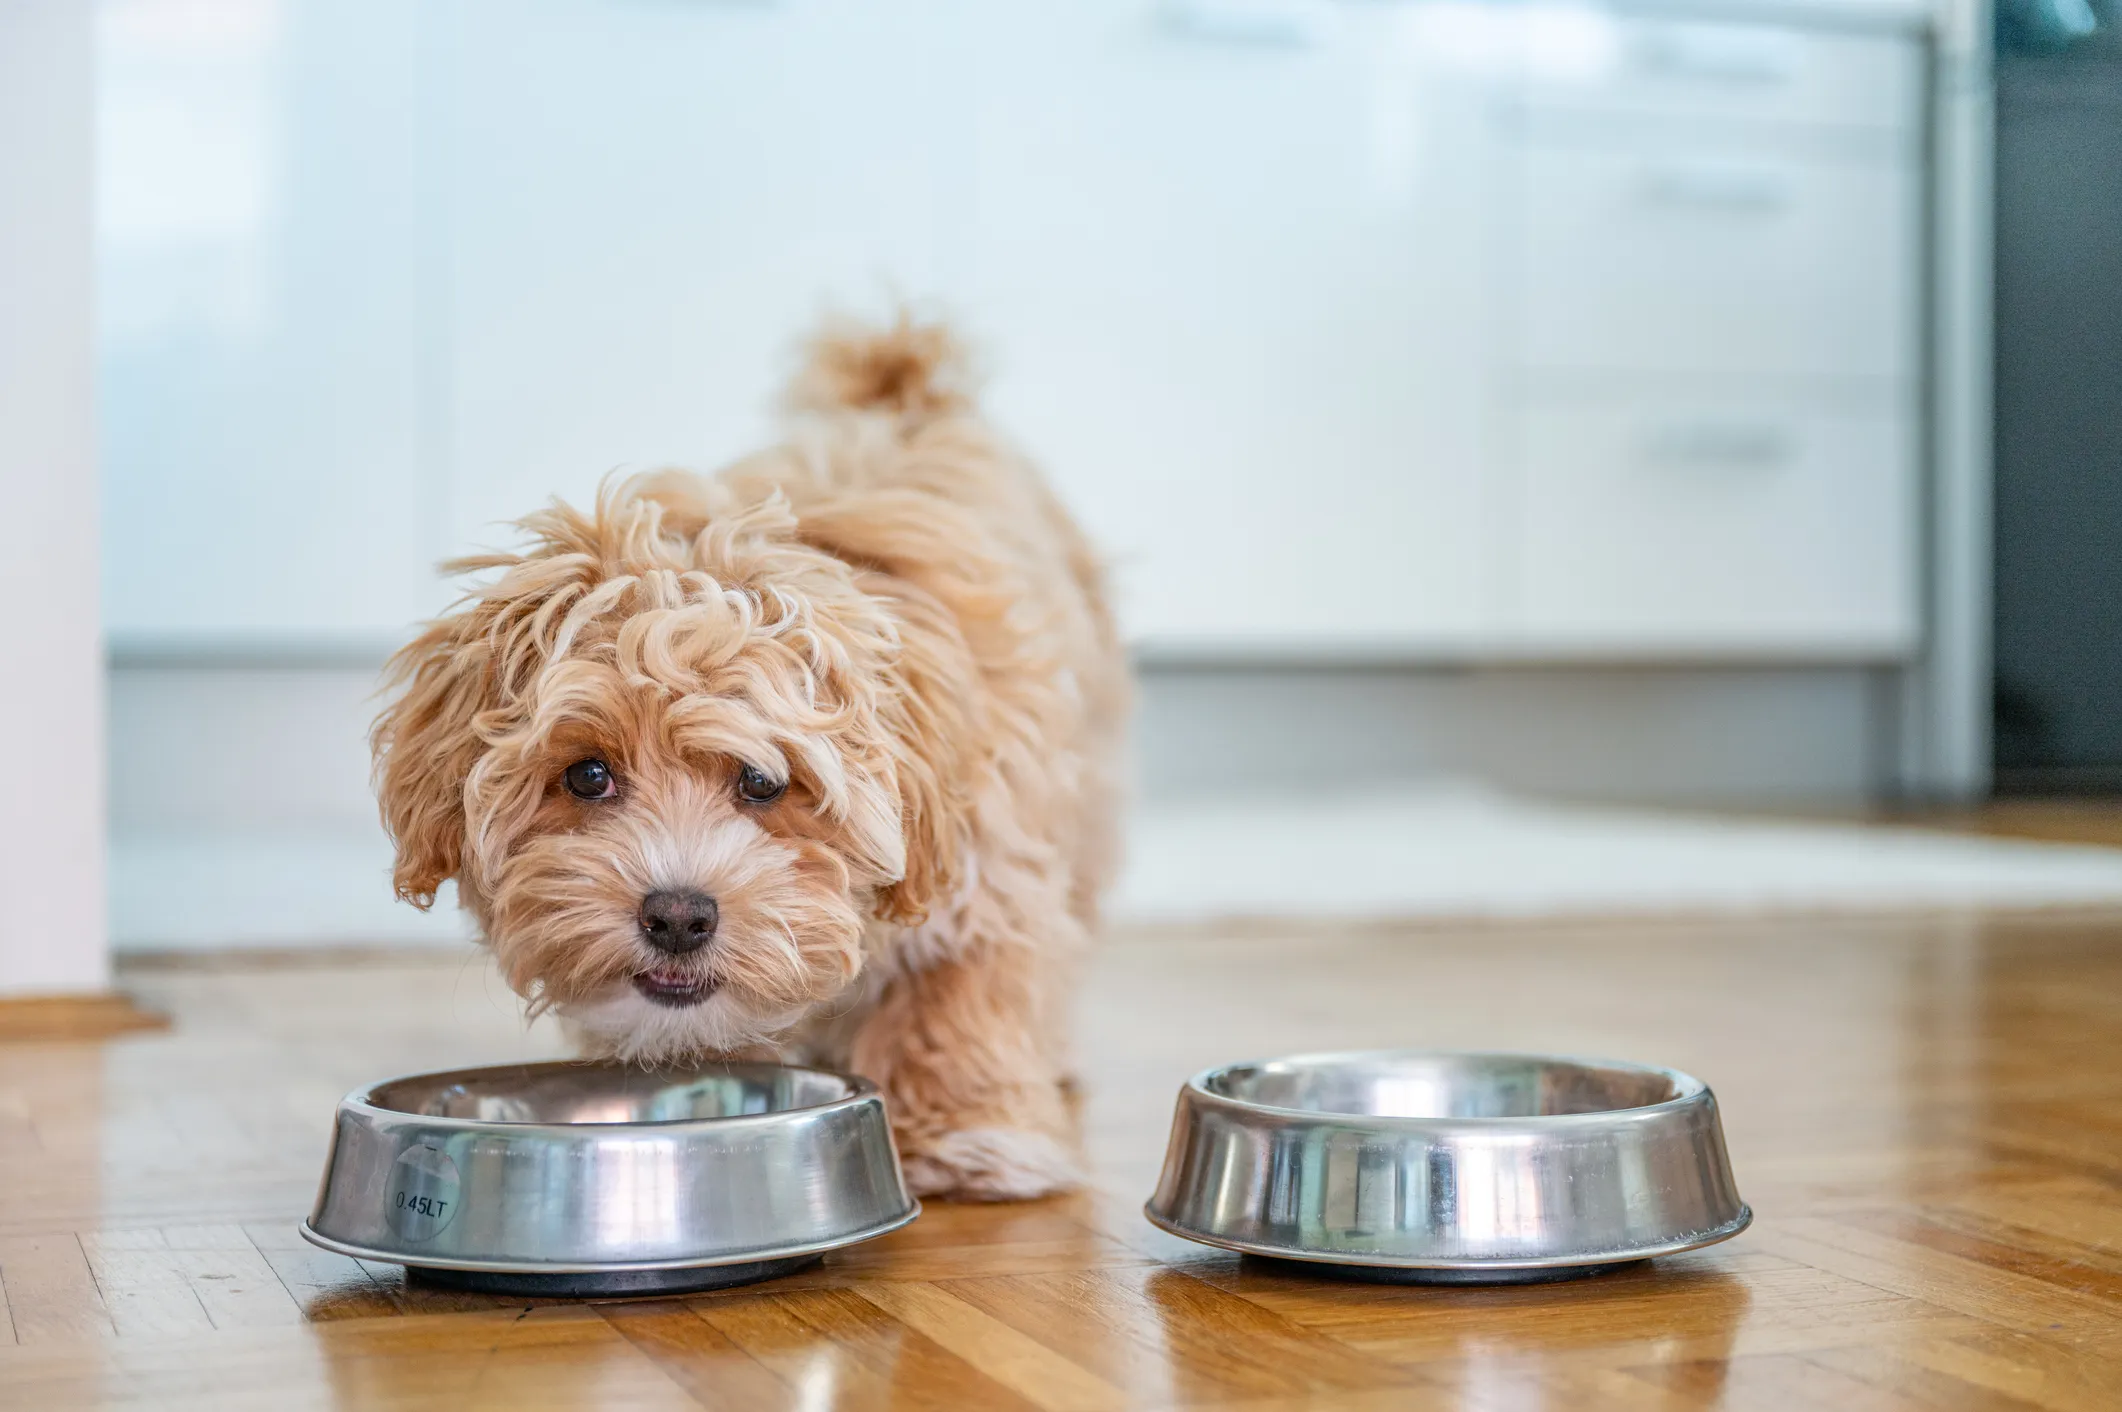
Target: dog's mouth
{"x": 676, "y": 986}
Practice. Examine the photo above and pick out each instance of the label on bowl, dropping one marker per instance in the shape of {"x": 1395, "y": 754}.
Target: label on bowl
{"x": 421, "y": 1196}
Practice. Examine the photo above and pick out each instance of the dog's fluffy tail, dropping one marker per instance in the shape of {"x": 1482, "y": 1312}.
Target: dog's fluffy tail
{"x": 912, "y": 367}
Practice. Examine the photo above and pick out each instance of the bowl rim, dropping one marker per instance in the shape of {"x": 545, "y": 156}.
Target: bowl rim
{"x": 1690, "y": 1090}
{"x": 1693, "y": 1240}
{"x": 359, "y": 1101}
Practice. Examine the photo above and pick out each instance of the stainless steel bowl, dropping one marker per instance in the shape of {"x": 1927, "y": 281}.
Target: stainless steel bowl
{"x": 1459, "y": 1168}
{"x": 588, "y": 1178}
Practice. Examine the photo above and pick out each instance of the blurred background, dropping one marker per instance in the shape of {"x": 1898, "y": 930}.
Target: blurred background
{"x": 1501, "y": 415}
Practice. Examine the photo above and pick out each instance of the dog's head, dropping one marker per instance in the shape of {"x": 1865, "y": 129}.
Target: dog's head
{"x": 659, "y": 752}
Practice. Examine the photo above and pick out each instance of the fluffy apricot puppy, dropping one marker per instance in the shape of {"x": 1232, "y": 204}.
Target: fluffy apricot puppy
{"x": 815, "y": 757}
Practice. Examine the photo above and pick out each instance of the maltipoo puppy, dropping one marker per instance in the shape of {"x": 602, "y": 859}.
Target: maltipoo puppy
{"x": 816, "y": 757}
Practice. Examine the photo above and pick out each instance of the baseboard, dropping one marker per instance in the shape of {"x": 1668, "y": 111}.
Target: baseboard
{"x": 32, "y": 1018}
{"x": 1754, "y": 735}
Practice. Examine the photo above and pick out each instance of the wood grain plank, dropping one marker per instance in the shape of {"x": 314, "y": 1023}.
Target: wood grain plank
{"x": 1017, "y": 1361}
{"x": 698, "y": 1357}
{"x": 608, "y": 1373}
{"x": 1947, "y": 1279}
{"x": 1507, "y": 1382}
{"x": 835, "y": 1349}
{"x": 1909, "y": 1369}
{"x": 1412, "y": 1395}
{"x": 2071, "y": 1219}
{"x": 20, "y": 1145}
{"x": 52, "y": 1293}
{"x": 554, "y": 1323}
{"x": 557, "y": 1356}
{"x": 154, "y": 1376}
{"x": 2086, "y": 1132}
{"x": 1986, "y": 1249}
{"x": 1163, "y": 1336}
{"x": 232, "y": 1281}
{"x": 1771, "y": 1383}
{"x": 2045, "y": 1371}
{"x": 561, "y": 1358}
{"x": 322, "y": 1284}
{"x": 144, "y": 1285}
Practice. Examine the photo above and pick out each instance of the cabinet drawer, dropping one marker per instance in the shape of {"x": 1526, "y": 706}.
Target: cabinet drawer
{"x": 1692, "y": 69}
{"x": 1187, "y": 223}
{"x": 1706, "y": 258}
{"x": 1651, "y": 524}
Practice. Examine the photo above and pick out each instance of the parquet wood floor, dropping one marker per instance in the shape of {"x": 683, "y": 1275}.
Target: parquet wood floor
{"x": 1926, "y": 1113}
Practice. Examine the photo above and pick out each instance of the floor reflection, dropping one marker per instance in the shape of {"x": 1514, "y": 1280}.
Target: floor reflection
{"x": 1525, "y": 1346}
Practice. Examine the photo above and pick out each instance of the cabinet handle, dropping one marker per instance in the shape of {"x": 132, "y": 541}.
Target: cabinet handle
{"x": 1764, "y": 59}
{"x": 1734, "y": 445}
{"x": 1250, "y": 24}
{"x": 1706, "y": 188}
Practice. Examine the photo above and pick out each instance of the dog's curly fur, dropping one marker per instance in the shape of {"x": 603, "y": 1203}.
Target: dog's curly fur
{"x": 889, "y": 613}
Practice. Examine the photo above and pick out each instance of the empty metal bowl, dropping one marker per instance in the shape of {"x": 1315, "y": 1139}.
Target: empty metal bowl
{"x": 592, "y": 1178}
{"x": 1454, "y": 1168}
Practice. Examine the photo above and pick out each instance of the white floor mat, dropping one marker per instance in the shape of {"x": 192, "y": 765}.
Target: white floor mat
{"x": 1467, "y": 853}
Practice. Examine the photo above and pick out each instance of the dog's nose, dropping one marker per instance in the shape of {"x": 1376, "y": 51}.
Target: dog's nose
{"x": 678, "y": 922}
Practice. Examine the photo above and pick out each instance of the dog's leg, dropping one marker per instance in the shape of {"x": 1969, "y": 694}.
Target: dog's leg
{"x": 975, "y": 1097}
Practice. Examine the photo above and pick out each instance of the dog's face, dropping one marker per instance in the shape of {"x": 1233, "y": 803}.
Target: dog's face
{"x": 651, "y": 754}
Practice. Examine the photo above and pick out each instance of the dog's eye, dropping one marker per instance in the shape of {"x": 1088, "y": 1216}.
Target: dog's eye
{"x": 755, "y": 786}
{"x": 591, "y": 779}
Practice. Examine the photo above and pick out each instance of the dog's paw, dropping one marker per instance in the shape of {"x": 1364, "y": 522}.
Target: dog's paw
{"x": 992, "y": 1164}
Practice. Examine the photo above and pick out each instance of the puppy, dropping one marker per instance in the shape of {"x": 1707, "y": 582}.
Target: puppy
{"x": 815, "y": 758}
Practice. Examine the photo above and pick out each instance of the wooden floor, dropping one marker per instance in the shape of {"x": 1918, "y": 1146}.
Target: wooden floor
{"x": 1926, "y": 1113}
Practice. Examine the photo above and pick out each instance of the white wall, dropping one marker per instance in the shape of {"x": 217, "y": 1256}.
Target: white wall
{"x": 240, "y": 810}
{"x": 52, "y": 937}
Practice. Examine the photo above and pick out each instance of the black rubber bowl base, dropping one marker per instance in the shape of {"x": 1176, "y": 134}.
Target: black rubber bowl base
{"x": 1391, "y": 1275}
{"x": 608, "y": 1284}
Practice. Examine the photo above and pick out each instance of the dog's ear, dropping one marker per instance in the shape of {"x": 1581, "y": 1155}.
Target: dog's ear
{"x": 931, "y": 825}
{"x": 424, "y": 746}
{"x": 924, "y": 716}
{"x": 927, "y": 722}
{"x": 900, "y": 688}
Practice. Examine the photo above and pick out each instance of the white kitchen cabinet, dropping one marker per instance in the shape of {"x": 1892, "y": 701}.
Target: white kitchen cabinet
{"x": 650, "y": 202}
{"x": 1713, "y": 386}
{"x": 1236, "y": 264}
{"x": 1233, "y": 278}
{"x": 1671, "y": 69}
{"x": 1741, "y": 523}
{"x": 1341, "y": 325}
{"x": 1688, "y": 256}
